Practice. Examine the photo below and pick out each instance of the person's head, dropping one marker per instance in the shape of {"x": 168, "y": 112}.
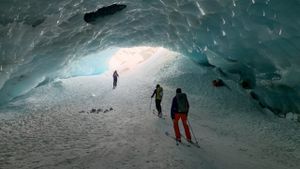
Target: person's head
{"x": 157, "y": 86}
{"x": 178, "y": 90}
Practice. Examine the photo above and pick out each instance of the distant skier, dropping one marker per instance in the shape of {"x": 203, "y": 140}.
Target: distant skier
{"x": 115, "y": 78}
{"x": 158, "y": 92}
{"x": 179, "y": 110}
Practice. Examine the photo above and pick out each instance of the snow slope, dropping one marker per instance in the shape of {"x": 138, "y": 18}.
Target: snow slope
{"x": 55, "y": 128}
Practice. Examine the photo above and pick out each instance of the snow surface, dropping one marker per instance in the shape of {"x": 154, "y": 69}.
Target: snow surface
{"x": 52, "y": 126}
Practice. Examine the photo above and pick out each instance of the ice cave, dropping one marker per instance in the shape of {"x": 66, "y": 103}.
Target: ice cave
{"x": 237, "y": 61}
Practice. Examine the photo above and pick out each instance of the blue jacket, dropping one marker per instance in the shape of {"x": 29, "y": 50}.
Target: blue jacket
{"x": 174, "y": 108}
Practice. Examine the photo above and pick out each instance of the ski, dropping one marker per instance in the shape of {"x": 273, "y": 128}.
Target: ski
{"x": 162, "y": 117}
{"x": 195, "y": 144}
{"x": 192, "y": 143}
{"x": 188, "y": 144}
{"x": 177, "y": 142}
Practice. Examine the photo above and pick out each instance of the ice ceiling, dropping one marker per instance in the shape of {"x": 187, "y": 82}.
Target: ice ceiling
{"x": 251, "y": 41}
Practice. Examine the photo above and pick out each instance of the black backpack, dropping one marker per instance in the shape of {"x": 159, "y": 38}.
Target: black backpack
{"x": 182, "y": 102}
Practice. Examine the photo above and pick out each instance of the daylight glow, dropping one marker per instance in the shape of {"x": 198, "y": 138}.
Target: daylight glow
{"x": 128, "y": 58}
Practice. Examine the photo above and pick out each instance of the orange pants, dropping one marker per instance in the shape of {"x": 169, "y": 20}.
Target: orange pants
{"x": 183, "y": 118}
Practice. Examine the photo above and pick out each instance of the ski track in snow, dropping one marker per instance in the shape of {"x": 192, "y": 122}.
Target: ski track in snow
{"x": 50, "y": 131}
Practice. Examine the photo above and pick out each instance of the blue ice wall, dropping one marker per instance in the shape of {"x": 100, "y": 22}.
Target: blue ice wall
{"x": 253, "y": 42}
{"x": 91, "y": 64}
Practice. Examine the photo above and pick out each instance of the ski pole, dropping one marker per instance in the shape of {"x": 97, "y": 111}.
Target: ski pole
{"x": 192, "y": 131}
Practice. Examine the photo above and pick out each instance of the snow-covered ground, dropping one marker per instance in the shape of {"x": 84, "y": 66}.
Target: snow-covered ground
{"x": 53, "y": 126}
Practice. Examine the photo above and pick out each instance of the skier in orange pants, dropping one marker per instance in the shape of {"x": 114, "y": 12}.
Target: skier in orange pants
{"x": 179, "y": 110}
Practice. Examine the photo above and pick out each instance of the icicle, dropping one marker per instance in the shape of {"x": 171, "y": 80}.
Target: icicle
{"x": 233, "y": 14}
{"x": 163, "y": 2}
{"x": 215, "y": 42}
{"x": 223, "y": 33}
{"x": 223, "y": 20}
{"x": 200, "y": 9}
{"x": 280, "y": 32}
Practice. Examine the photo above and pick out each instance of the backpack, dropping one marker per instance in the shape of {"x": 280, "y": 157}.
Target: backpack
{"x": 182, "y": 102}
{"x": 159, "y": 93}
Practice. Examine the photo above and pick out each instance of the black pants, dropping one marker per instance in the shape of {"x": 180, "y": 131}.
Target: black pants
{"x": 158, "y": 106}
{"x": 115, "y": 83}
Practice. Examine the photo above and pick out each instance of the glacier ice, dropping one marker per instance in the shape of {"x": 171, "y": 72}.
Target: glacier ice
{"x": 253, "y": 41}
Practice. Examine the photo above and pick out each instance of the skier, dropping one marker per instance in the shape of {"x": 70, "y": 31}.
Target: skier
{"x": 158, "y": 92}
{"x": 115, "y": 78}
{"x": 179, "y": 110}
